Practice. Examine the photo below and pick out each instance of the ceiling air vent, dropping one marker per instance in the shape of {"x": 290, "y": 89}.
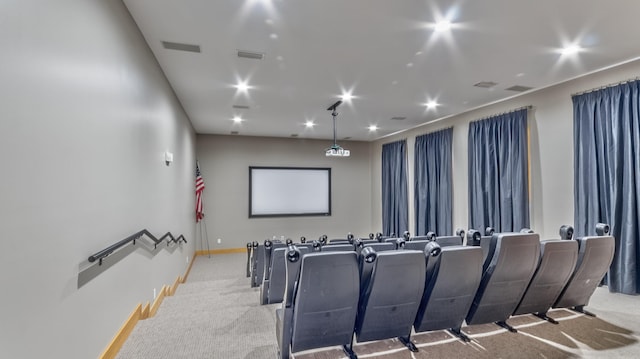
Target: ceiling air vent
{"x": 518, "y": 88}
{"x": 234, "y": 132}
{"x": 180, "y": 47}
{"x": 240, "y": 107}
{"x": 346, "y": 138}
{"x": 294, "y": 135}
{"x": 485, "y": 84}
{"x": 398, "y": 118}
{"x": 251, "y": 55}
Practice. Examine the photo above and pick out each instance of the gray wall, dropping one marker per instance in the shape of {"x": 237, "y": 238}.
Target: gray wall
{"x": 85, "y": 117}
{"x": 551, "y": 152}
{"x": 225, "y": 160}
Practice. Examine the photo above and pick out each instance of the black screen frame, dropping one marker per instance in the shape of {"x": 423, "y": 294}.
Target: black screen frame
{"x": 284, "y": 214}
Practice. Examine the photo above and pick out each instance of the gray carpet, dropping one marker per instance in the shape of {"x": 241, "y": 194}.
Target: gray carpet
{"x": 216, "y": 315}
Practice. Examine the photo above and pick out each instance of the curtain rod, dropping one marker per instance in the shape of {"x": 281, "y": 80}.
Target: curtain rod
{"x": 606, "y": 86}
{"x": 527, "y": 107}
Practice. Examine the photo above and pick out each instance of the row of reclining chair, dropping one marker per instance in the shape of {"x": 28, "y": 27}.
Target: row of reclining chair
{"x": 332, "y": 298}
{"x": 273, "y": 279}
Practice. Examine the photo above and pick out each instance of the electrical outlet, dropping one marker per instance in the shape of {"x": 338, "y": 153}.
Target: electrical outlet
{"x": 219, "y": 240}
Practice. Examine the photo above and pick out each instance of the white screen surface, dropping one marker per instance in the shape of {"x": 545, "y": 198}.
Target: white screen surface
{"x": 284, "y": 191}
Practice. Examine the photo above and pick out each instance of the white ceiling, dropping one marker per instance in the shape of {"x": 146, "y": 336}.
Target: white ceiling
{"x": 386, "y": 52}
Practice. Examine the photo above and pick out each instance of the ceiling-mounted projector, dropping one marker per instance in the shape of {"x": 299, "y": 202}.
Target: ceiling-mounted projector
{"x": 335, "y": 150}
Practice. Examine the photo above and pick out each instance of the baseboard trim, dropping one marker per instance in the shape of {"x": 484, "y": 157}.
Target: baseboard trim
{"x": 157, "y": 301}
{"x": 221, "y": 251}
{"x": 116, "y": 343}
{"x": 186, "y": 274}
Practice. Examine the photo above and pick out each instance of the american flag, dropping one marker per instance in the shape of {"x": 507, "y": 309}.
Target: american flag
{"x": 199, "y": 190}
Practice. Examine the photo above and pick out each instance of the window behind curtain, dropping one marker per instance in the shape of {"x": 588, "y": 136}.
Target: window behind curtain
{"x": 433, "y": 183}
{"x": 498, "y": 172}
{"x": 394, "y": 188}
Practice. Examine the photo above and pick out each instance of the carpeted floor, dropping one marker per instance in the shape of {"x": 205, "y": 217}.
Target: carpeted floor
{"x": 216, "y": 315}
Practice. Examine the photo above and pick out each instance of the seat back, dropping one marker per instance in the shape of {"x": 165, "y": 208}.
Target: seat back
{"x": 511, "y": 262}
{"x": 338, "y": 241}
{"x": 557, "y": 263}
{"x": 417, "y": 245}
{"x": 450, "y": 289}
{"x": 594, "y": 258}
{"x": 257, "y": 270}
{"x": 338, "y": 248}
{"x": 325, "y": 302}
{"x": 380, "y": 247}
{"x": 275, "y": 287}
{"x": 389, "y": 299}
{"x": 447, "y": 241}
{"x": 485, "y": 244}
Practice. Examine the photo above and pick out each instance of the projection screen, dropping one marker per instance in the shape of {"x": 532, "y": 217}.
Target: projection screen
{"x": 289, "y": 191}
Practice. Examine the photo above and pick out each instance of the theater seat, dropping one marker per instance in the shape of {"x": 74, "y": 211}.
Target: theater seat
{"x": 594, "y": 258}
{"x": 274, "y": 282}
{"x": 321, "y": 301}
{"x": 416, "y": 245}
{"x": 452, "y": 282}
{"x": 511, "y": 261}
{"x": 392, "y": 287}
{"x": 557, "y": 263}
{"x": 447, "y": 241}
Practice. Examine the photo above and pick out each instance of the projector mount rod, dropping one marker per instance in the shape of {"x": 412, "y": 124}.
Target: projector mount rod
{"x": 334, "y": 114}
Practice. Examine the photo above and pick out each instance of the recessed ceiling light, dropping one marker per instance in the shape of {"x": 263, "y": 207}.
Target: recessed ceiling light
{"x": 279, "y": 58}
{"x": 410, "y": 64}
{"x": 346, "y": 96}
{"x": 242, "y": 86}
{"x": 570, "y": 50}
{"x": 237, "y": 119}
{"x": 520, "y": 74}
{"x": 442, "y": 25}
{"x": 309, "y": 124}
{"x": 418, "y": 53}
{"x": 373, "y": 128}
{"x": 431, "y": 104}
{"x": 273, "y": 36}
{"x": 269, "y": 22}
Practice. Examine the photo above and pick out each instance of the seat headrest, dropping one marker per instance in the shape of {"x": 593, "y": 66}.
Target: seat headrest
{"x": 293, "y": 254}
{"x": 432, "y": 249}
{"x": 369, "y": 254}
{"x": 400, "y": 242}
{"x": 473, "y": 235}
{"x": 566, "y": 232}
{"x": 602, "y": 229}
{"x": 489, "y": 231}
